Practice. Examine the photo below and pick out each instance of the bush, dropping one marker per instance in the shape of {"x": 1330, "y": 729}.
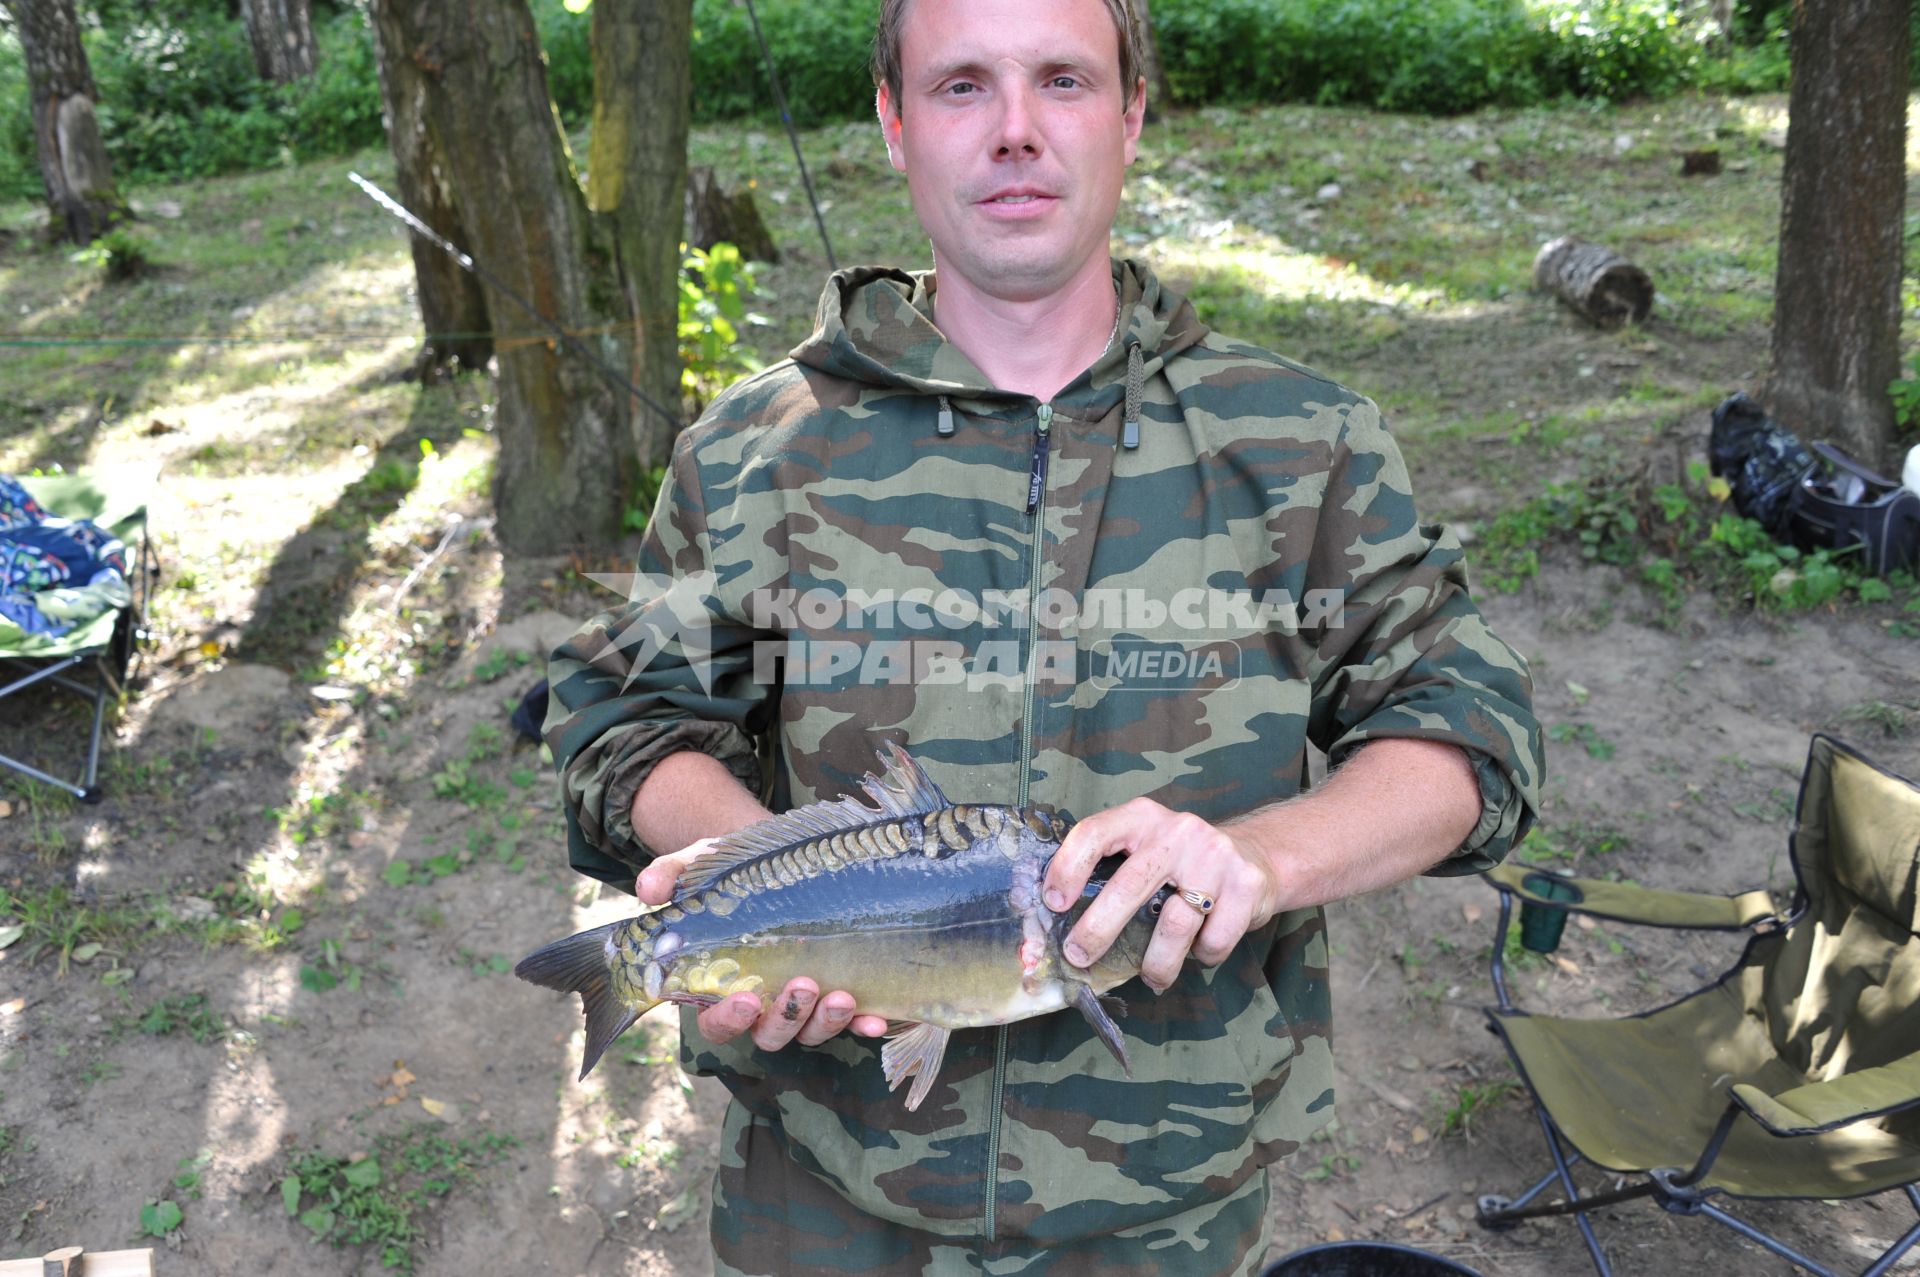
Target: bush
{"x": 179, "y": 97}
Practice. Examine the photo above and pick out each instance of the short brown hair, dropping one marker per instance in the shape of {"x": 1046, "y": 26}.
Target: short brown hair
{"x": 893, "y": 15}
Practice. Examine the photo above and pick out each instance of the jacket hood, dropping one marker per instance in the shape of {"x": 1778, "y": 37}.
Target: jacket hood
{"x": 875, "y": 327}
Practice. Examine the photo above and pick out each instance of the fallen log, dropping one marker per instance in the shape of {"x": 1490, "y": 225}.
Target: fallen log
{"x": 1603, "y": 286}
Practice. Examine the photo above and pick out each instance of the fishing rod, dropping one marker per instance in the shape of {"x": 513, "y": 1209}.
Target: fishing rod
{"x": 786, "y": 117}
{"x": 565, "y": 338}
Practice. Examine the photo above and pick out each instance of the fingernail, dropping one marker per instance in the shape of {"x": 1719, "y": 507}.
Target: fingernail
{"x": 1075, "y": 954}
{"x": 1057, "y": 901}
{"x": 836, "y": 1014}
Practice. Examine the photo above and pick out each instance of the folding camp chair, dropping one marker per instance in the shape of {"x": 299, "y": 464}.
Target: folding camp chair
{"x": 1794, "y": 1075}
{"x": 92, "y": 659}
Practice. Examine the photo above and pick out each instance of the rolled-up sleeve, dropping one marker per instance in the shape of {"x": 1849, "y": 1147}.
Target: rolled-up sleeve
{"x": 1408, "y": 654}
{"x": 668, "y": 670}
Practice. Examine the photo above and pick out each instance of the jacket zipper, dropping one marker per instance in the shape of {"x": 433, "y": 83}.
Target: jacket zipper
{"x": 1037, "y": 507}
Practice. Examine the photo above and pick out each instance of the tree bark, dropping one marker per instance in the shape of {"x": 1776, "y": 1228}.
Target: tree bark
{"x": 1599, "y": 283}
{"x": 452, "y": 301}
{"x": 81, "y": 198}
{"x": 567, "y": 455}
{"x": 1159, "y": 91}
{"x": 281, "y": 33}
{"x": 714, "y": 216}
{"x": 637, "y": 180}
{"x": 1836, "y": 323}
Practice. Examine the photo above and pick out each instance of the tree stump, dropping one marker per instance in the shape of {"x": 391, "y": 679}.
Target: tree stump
{"x": 714, "y": 217}
{"x": 1603, "y": 286}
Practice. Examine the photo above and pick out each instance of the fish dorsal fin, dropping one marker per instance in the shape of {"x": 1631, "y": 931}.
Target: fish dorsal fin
{"x": 901, "y": 789}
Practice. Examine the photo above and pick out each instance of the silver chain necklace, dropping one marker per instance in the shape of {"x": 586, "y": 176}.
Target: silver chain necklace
{"x": 1115, "y": 334}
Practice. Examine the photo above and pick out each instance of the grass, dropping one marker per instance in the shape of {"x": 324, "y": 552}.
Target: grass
{"x": 55, "y": 925}
{"x": 380, "y": 1200}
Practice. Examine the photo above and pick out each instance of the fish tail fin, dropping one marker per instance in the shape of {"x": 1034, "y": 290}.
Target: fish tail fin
{"x": 579, "y": 964}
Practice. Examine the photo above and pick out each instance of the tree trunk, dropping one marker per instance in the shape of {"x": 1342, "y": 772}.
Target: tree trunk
{"x": 1599, "y": 283}
{"x": 1836, "y": 322}
{"x": 567, "y": 459}
{"x": 714, "y": 216}
{"x": 452, "y": 301}
{"x": 282, "y": 38}
{"x": 637, "y": 179}
{"x": 81, "y": 199}
{"x": 1159, "y": 91}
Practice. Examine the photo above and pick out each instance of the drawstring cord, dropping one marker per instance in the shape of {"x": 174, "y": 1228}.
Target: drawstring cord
{"x": 945, "y": 428}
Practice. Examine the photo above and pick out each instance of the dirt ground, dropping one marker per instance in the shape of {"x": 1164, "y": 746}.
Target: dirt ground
{"x": 1710, "y": 719}
{"x": 317, "y": 820}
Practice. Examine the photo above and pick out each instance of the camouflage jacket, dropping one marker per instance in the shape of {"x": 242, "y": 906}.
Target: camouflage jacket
{"x": 1195, "y": 561}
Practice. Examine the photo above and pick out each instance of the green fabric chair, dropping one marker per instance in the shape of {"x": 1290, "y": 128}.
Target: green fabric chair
{"x": 1794, "y": 1075}
{"x": 90, "y": 660}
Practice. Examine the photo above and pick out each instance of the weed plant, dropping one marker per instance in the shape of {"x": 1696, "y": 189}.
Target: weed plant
{"x": 378, "y": 1200}
{"x": 1681, "y": 537}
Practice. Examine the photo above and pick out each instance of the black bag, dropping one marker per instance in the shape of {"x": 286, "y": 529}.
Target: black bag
{"x": 1763, "y": 460}
{"x": 1845, "y": 503}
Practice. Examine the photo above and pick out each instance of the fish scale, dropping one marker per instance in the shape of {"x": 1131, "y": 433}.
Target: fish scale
{"x": 927, "y": 911}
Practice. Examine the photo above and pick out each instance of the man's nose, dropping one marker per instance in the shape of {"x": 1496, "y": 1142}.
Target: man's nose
{"x": 1019, "y": 134}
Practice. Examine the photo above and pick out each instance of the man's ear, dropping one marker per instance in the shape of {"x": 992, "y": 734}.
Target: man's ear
{"x": 890, "y": 127}
{"x": 1135, "y": 117}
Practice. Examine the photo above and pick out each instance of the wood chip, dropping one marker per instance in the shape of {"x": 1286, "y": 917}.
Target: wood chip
{"x": 1566, "y": 965}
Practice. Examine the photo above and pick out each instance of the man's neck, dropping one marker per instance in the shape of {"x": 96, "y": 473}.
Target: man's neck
{"x": 1032, "y": 347}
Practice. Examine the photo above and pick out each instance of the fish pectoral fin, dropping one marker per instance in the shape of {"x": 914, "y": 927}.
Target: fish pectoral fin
{"x": 700, "y": 1000}
{"x": 914, "y": 1051}
{"x": 1093, "y": 1006}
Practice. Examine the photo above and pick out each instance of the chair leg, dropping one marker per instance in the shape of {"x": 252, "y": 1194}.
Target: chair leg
{"x": 1492, "y": 1208}
{"x": 1901, "y": 1247}
{"x": 1759, "y": 1238}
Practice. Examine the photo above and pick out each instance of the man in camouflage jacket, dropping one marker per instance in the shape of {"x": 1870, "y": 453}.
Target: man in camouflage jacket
{"x": 1137, "y": 594}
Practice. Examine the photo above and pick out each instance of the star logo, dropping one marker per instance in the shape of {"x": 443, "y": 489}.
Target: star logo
{"x": 667, "y": 621}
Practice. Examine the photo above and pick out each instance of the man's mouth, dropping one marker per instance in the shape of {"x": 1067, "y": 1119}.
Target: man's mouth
{"x": 1017, "y": 197}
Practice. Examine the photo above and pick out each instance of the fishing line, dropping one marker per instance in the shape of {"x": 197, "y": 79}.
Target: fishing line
{"x": 786, "y": 118}
{"x": 467, "y": 263}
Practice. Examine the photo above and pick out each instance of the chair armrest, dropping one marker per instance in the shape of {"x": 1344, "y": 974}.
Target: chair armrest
{"x": 1823, "y": 1106}
{"x": 1646, "y": 906}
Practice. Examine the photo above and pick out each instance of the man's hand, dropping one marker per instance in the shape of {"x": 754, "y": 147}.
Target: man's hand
{"x": 1395, "y": 808}
{"x": 799, "y": 1012}
{"x": 1162, "y": 847}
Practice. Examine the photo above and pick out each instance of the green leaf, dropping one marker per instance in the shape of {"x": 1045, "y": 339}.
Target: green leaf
{"x": 157, "y": 1219}
{"x": 443, "y": 865}
{"x": 87, "y": 952}
{"x": 291, "y": 920}
{"x": 119, "y": 975}
{"x": 10, "y": 934}
{"x": 317, "y": 979}
{"x": 319, "y": 1219}
{"x": 398, "y": 873}
{"x": 363, "y": 1174}
{"x": 290, "y": 1195}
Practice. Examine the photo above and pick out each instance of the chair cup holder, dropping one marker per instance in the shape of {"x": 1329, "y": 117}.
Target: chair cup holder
{"x": 1541, "y": 925}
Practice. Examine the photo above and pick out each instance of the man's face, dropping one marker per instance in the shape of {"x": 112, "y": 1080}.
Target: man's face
{"x": 1011, "y": 132}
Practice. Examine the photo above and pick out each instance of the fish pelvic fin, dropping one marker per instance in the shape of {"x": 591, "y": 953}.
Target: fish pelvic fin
{"x": 580, "y": 964}
{"x": 1094, "y": 1007}
{"x": 902, "y": 789}
{"x": 914, "y": 1052}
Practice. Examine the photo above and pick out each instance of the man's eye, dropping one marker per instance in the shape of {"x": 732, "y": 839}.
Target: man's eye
{"x": 960, "y": 89}
{"x": 1066, "y": 82}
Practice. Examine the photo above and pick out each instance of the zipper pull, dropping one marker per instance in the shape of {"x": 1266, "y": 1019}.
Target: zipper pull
{"x": 1037, "y": 475}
